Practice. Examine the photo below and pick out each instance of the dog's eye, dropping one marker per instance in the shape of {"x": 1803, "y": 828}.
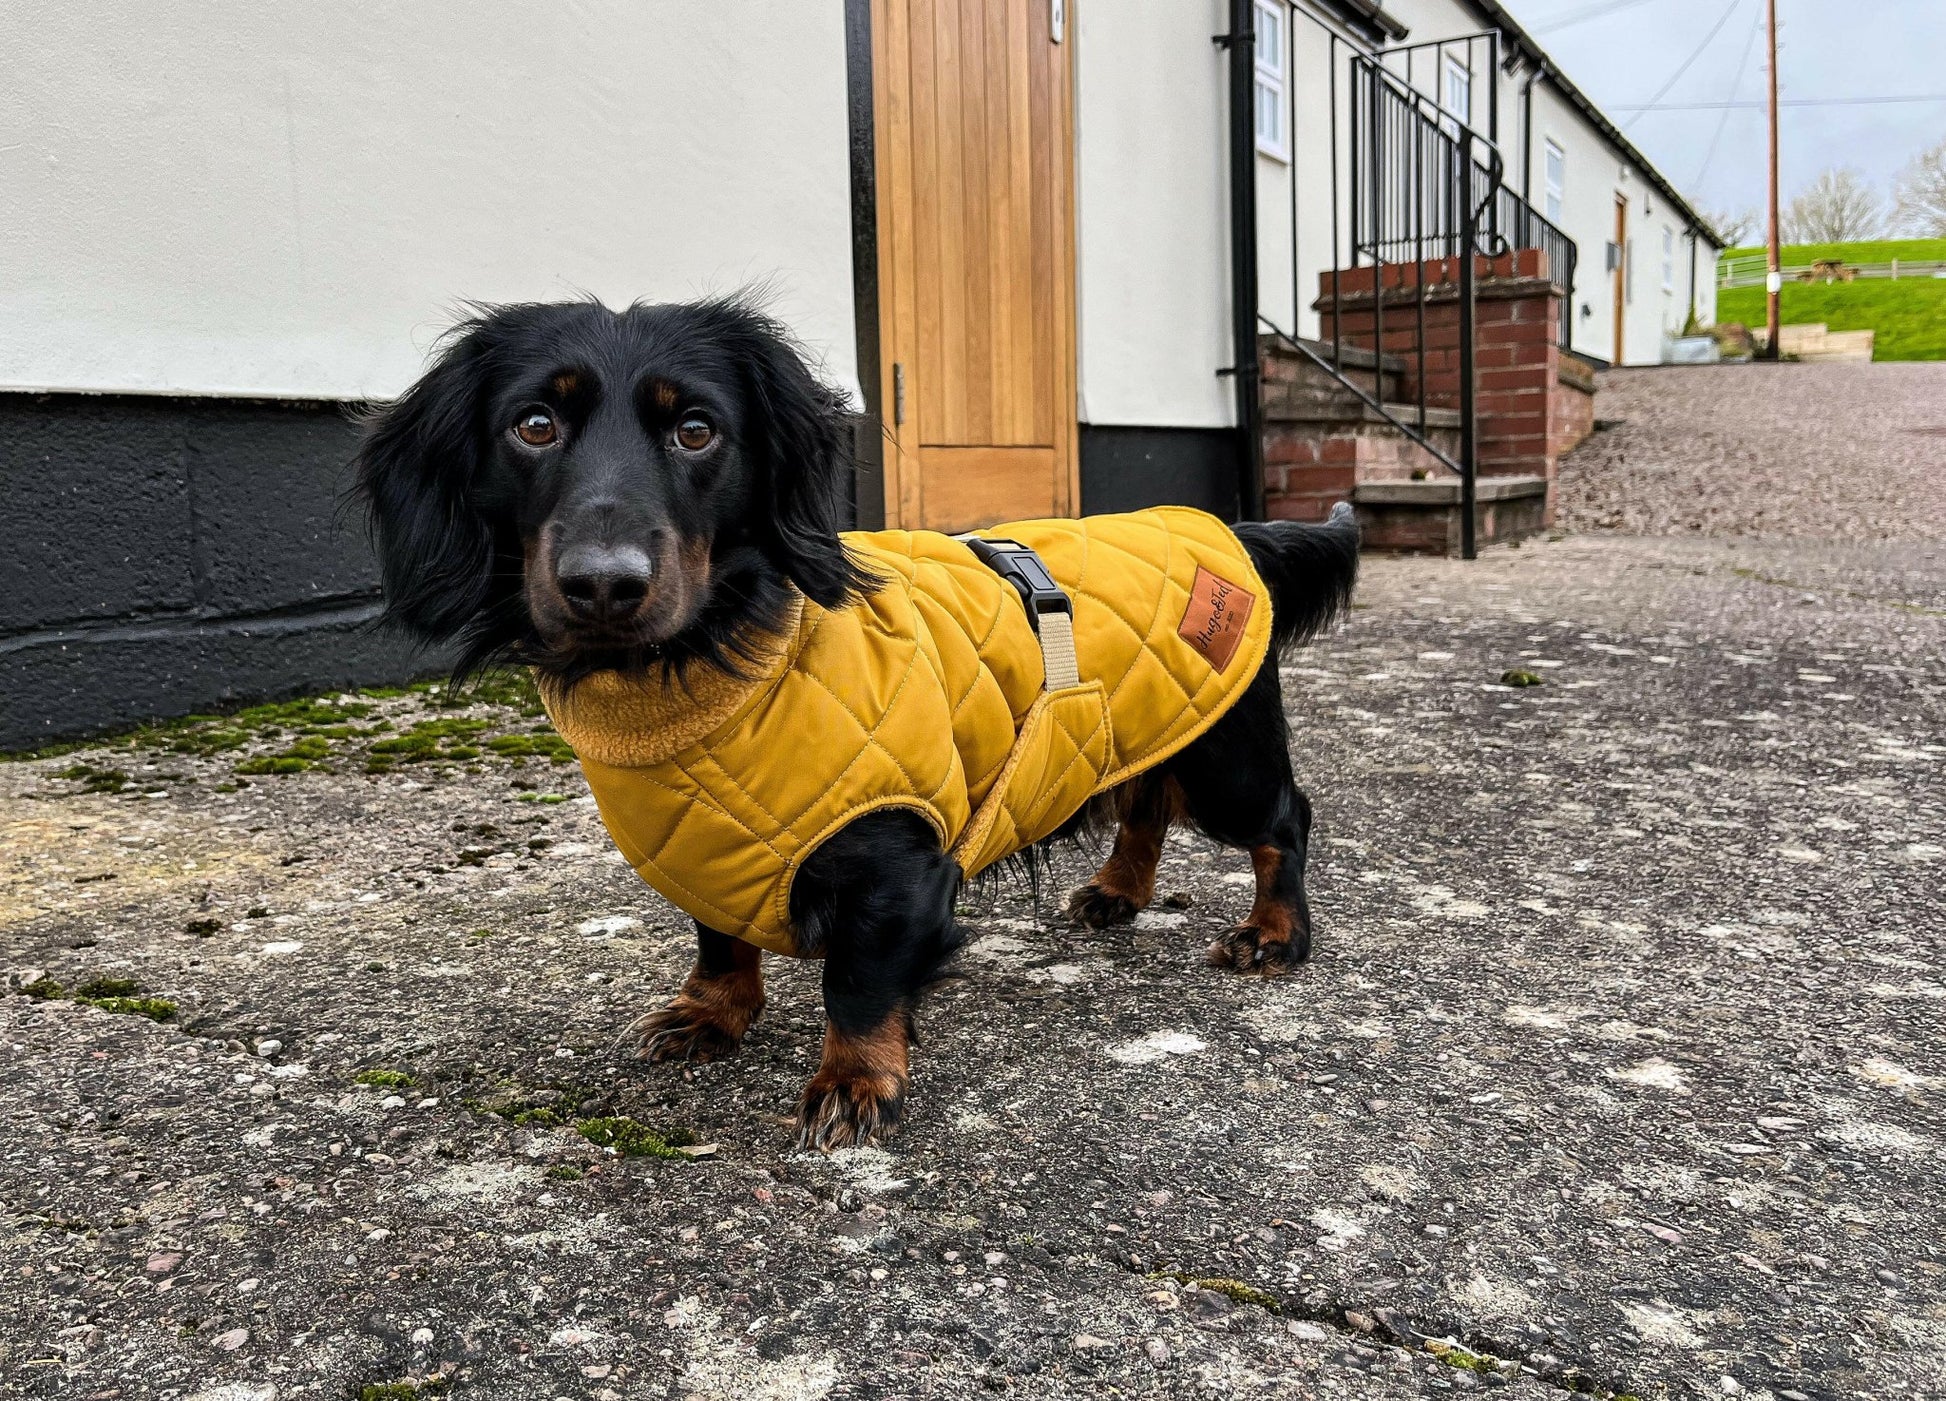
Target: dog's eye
{"x": 536, "y": 428}
{"x": 695, "y": 432}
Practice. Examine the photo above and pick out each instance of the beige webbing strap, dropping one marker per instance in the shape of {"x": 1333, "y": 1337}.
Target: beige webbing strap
{"x": 1048, "y": 606}
{"x": 1057, "y": 651}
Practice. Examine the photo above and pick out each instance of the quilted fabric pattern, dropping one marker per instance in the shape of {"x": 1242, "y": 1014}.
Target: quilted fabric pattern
{"x": 927, "y": 695}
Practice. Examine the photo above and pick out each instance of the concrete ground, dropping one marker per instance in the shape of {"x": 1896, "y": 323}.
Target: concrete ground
{"x": 1619, "y": 1067}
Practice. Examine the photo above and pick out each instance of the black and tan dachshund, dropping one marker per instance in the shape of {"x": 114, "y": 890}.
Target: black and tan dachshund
{"x": 581, "y": 490}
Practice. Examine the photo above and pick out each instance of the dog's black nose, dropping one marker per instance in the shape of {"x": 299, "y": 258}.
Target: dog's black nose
{"x": 603, "y": 583}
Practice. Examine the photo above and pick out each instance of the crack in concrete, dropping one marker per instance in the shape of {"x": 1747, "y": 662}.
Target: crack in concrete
{"x": 1456, "y": 1347}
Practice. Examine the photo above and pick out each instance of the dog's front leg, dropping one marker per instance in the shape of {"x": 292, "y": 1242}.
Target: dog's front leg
{"x": 721, "y": 997}
{"x": 876, "y": 900}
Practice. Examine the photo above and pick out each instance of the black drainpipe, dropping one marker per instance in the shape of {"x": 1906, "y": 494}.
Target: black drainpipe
{"x": 1527, "y": 140}
{"x": 1245, "y": 368}
{"x": 1694, "y": 240}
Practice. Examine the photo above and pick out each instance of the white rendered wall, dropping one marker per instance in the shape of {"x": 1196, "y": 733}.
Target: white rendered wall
{"x": 1152, "y": 213}
{"x": 291, "y": 200}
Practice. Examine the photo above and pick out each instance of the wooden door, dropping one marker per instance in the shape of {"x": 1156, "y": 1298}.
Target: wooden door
{"x": 976, "y": 255}
{"x": 1621, "y": 275}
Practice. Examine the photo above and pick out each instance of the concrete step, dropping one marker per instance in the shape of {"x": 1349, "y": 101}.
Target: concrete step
{"x": 1380, "y": 376}
{"x": 1339, "y": 405}
{"x": 1423, "y": 517}
{"x": 1813, "y": 341}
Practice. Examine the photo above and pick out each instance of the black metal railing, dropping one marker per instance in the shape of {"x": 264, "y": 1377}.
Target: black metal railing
{"x": 1523, "y": 226}
{"x": 1398, "y": 166}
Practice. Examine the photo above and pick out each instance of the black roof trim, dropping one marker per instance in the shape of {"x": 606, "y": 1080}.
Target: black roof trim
{"x": 1369, "y": 19}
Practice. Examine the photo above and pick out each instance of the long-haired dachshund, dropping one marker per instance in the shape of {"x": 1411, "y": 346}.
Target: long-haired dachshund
{"x": 653, "y": 493}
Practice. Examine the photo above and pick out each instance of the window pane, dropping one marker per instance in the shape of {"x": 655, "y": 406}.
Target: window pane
{"x": 1270, "y": 38}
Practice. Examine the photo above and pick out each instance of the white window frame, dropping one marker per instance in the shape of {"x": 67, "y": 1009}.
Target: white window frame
{"x": 1668, "y": 259}
{"x": 1456, "y": 75}
{"x": 1554, "y": 179}
{"x": 1270, "y": 95}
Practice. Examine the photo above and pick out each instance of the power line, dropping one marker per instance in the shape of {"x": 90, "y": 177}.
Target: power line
{"x": 1736, "y": 85}
{"x": 1687, "y": 63}
{"x": 1607, "y": 7}
{"x": 1786, "y": 102}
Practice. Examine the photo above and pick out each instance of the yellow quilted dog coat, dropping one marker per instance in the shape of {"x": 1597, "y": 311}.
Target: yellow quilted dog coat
{"x": 928, "y": 695}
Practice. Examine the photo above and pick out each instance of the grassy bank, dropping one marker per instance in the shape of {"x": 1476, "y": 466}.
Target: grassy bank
{"x": 1909, "y": 314}
{"x": 1910, "y": 317}
{"x": 1881, "y": 251}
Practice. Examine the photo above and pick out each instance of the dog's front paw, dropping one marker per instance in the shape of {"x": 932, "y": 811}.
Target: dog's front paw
{"x": 1251, "y": 949}
{"x": 1095, "y": 906}
{"x": 849, "y": 1111}
{"x": 685, "y": 1030}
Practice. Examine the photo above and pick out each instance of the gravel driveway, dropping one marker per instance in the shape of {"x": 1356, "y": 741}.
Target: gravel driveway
{"x": 1831, "y": 452}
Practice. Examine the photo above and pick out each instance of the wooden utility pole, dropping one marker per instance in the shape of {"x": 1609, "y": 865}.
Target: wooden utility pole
{"x": 1774, "y": 274}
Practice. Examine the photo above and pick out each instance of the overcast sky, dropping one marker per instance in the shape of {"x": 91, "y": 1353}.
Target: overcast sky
{"x": 1623, "y": 51}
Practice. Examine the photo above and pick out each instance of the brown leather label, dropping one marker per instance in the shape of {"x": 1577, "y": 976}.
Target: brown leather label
{"x": 1213, "y": 623}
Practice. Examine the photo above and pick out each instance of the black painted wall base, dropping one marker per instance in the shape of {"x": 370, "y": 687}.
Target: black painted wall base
{"x": 63, "y": 685}
{"x": 166, "y": 556}
{"x": 1127, "y": 469}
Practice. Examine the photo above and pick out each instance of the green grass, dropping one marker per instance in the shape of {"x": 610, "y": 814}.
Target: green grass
{"x": 1882, "y": 251}
{"x": 1910, "y": 317}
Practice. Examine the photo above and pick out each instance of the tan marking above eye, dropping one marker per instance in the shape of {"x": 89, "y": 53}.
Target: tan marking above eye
{"x": 665, "y": 394}
{"x": 536, "y": 428}
{"x": 694, "y": 432}
{"x": 566, "y": 383}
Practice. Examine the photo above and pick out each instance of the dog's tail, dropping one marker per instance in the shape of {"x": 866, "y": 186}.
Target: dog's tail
{"x": 1310, "y": 570}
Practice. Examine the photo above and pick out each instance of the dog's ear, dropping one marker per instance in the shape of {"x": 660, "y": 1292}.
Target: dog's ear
{"x": 803, "y": 430}
{"x": 415, "y": 472}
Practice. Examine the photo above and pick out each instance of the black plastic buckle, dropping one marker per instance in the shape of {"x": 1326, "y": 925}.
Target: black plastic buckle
{"x": 1022, "y": 568}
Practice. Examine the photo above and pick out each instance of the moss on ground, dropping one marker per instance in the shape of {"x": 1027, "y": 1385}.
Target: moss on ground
{"x": 156, "y": 1009}
{"x": 426, "y": 741}
{"x": 1464, "y": 1358}
{"x": 518, "y": 1104}
{"x": 576, "y": 1107}
{"x": 1233, "y": 1289}
{"x": 375, "y": 729}
{"x": 384, "y": 1079}
{"x": 108, "y": 987}
{"x": 123, "y": 996}
{"x": 405, "y": 1389}
{"x": 633, "y": 1140}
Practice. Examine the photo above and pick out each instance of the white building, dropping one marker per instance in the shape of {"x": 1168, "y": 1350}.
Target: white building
{"x": 1646, "y": 257}
{"x": 1004, "y": 225}
{"x": 289, "y": 202}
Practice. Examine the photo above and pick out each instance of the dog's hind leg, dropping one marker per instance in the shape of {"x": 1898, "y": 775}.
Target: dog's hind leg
{"x": 1277, "y": 932}
{"x": 1125, "y": 884}
{"x": 1238, "y": 788}
{"x": 721, "y": 997}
